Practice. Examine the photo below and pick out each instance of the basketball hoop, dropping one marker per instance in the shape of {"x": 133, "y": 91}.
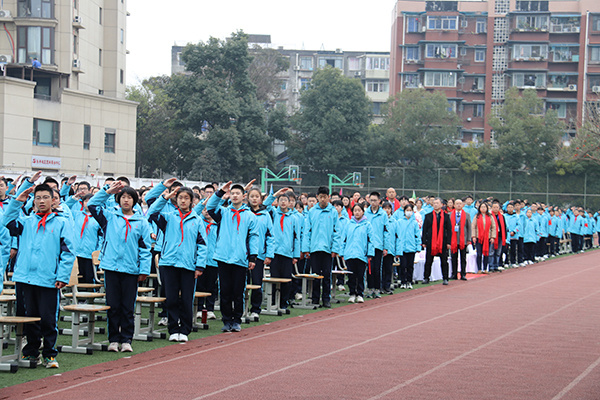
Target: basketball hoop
{"x": 360, "y": 185}
{"x": 297, "y": 181}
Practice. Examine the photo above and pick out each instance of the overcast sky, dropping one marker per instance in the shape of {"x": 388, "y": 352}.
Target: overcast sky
{"x": 154, "y": 26}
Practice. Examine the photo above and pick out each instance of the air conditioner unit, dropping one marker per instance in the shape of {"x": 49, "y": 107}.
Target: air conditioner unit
{"x": 296, "y": 68}
{"x": 294, "y": 90}
{"x": 464, "y": 23}
{"x": 5, "y": 14}
{"x": 5, "y": 58}
{"x": 423, "y": 29}
{"x": 572, "y": 88}
{"x": 77, "y": 20}
{"x": 469, "y": 119}
{"x": 76, "y": 64}
{"x": 596, "y": 89}
{"x": 357, "y": 73}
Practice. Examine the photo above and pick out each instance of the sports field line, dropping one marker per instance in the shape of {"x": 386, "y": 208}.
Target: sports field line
{"x": 283, "y": 330}
{"x": 576, "y": 381}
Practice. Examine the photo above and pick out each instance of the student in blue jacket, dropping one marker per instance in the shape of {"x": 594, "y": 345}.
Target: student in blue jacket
{"x": 183, "y": 258}
{"x": 44, "y": 263}
{"x": 357, "y": 248}
{"x": 285, "y": 249}
{"x": 320, "y": 242}
{"x": 530, "y": 236}
{"x": 207, "y": 282}
{"x": 235, "y": 252}
{"x": 125, "y": 258}
{"x": 408, "y": 243}
{"x": 378, "y": 219}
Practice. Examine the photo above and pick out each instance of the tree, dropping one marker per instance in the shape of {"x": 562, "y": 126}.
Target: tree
{"x": 525, "y": 135}
{"x": 585, "y": 146}
{"x": 263, "y": 70}
{"x": 419, "y": 127}
{"x": 217, "y": 103}
{"x": 331, "y": 126}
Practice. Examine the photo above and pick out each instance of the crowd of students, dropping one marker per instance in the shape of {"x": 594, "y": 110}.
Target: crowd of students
{"x": 218, "y": 239}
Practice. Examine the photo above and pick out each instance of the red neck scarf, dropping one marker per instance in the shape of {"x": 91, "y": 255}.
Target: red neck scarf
{"x": 483, "y": 233}
{"x": 236, "y": 214}
{"x": 81, "y": 209}
{"x": 437, "y": 237}
{"x": 182, "y": 216}
{"x": 85, "y": 221}
{"x": 461, "y": 232}
{"x": 281, "y": 222}
{"x": 208, "y": 225}
{"x": 43, "y": 220}
{"x": 127, "y": 226}
{"x": 500, "y": 230}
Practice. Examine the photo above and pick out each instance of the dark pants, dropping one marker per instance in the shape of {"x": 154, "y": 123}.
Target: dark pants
{"x": 321, "y": 265}
{"x": 576, "y": 242}
{"x": 374, "y": 271}
{"x": 40, "y": 302}
{"x": 513, "y": 247}
{"x": 232, "y": 282}
{"x": 160, "y": 289}
{"x": 303, "y": 268}
{"x": 463, "y": 263}
{"x": 540, "y": 249}
{"x": 256, "y": 276}
{"x": 388, "y": 272}
{"x": 529, "y": 251}
{"x": 482, "y": 261}
{"x": 356, "y": 280}
{"x": 179, "y": 287}
{"x": 282, "y": 267}
{"x": 429, "y": 262}
{"x": 553, "y": 243}
{"x": 207, "y": 282}
{"x": 521, "y": 253}
{"x": 121, "y": 292}
{"x": 86, "y": 270}
{"x": 407, "y": 267}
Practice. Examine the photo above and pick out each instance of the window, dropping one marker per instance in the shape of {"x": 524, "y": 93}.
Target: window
{"x": 565, "y": 24}
{"x": 379, "y": 63}
{"x": 376, "y": 109}
{"x": 304, "y": 83}
{"x": 481, "y": 26}
{"x": 411, "y": 81}
{"x": 478, "y": 83}
{"x": 335, "y": 62}
{"x": 440, "y": 79}
{"x": 87, "y": 136}
{"x": 100, "y": 57}
{"x": 412, "y": 54}
{"x": 441, "y": 6}
{"x": 596, "y": 23}
{"x": 75, "y": 4}
{"x": 43, "y": 88}
{"x": 36, "y": 8}
{"x": 478, "y": 110}
{"x": 594, "y": 83}
{"x": 440, "y": 50}
{"x": 74, "y": 44}
{"x": 463, "y": 51}
{"x": 595, "y": 54}
{"x": 121, "y": 76}
{"x": 560, "y": 108}
{"x": 529, "y": 80}
{"x": 100, "y": 15}
{"x": 283, "y": 86}
{"x": 353, "y": 64}
{"x": 452, "y": 106}
{"x": 527, "y": 5}
{"x": 442, "y": 23}
{"x": 35, "y": 42}
{"x": 565, "y": 54}
{"x": 122, "y": 36}
{"x": 524, "y": 52}
{"x": 412, "y": 24}
{"x": 378, "y": 86}
{"x": 479, "y": 55}
{"x": 306, "y": 63}
{"x": 179, "y": 59}
{"x": 45, "y": 133}
{"x": 532, "y": 23}
{"x": 109, "y": 140}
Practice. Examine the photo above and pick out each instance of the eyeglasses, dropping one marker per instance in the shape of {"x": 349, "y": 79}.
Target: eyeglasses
{"x": 43, "y": 197}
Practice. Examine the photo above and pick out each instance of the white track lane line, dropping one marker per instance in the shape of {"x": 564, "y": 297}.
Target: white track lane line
{"x": 577, "y": 380}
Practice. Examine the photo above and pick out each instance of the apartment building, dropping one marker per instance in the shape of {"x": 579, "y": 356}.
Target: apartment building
{"x": 474, "y": 51}
{"x": 68, "y": 114}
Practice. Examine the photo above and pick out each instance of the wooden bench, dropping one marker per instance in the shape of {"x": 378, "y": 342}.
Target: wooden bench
{"x": 307, "y": 284}
{"x": 199, "y": 325}
{"x": 12, "y": 362}
{"x": 7, "y": 309}
{"x": 273, "y": 294}
{"x": 148, "y": 333}
{"x": 246, "y": 315}
{"x": 87, "y": 345}
{"x": 8, "y": 292}
{"x": 340, "y": 269}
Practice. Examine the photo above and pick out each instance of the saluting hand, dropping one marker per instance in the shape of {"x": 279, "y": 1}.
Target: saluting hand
{"x": 227, "y": 187}
{"x": 115, "y": 187}
{"x": 249, "y": 185}
{"x": 169, "y": 182}
{"x": 25, "y": 194}
{"x": 35, "y": 177}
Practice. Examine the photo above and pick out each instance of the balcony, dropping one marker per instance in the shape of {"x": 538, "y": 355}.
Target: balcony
{"x": 565, "y": 24}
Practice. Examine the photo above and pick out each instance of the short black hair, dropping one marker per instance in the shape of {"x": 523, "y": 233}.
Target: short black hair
{"x": 109, "y": 179}
{"x": 187, "y": 190}
{"x": 409, "y": 206}
{"x": 209, "y": 186}
{"x": 469, "y": 197}
{"x": 308, "y": 196}
{"x": 130, "y": 191}
{"x": 237, "y": 186}
{"x": 387, "y": 204}
{"x": 337, "y": 203}
{"x": 176, "y": 184}
{"x": 124, "y": 179}
{"x": 376, "y": 194}
{"x": 283, "y": 195}
{"x": 43, "y": 188}
{"x": 323, "y": 190}
{"x": 403, "y": 197}
{"x": 196, "y": 187}
{"x": 359, "y": 204}
{"x": 50, "y": 179}
{"x": 85, "y": 183}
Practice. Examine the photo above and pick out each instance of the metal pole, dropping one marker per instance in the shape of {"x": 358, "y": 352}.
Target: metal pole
{"x": 547, "y": 188}
{"x": 585, "y": 191}
{"x": 510, "y": 185}
{"x": 439, "y": 177}
{"x": 403, "y": 181}
{"x": 263, "y": 183}
{"x": 369, "y": 179}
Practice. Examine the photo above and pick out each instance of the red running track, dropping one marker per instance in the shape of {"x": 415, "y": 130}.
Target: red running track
{"x": 527, "y": 333}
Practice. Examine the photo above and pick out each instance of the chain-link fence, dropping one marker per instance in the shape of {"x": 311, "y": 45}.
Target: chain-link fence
{"x": 561, "y": 190}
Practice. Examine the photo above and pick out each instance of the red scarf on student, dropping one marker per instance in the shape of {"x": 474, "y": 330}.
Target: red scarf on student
{"x": 127, "y": 227}
{"x": 437, "y": 236}
{"x": 182, "y": 216}
{"x": 236, "y": 214}
{"x": 483, "y": 233}
{"x": 500, "y": 230}
{"x": 208, "y": 225}
{"x": 281, "y": 222}
{"x": 43, "y": 220}
{"x": 454, "y": 246}
{"x": 85, "y": 221}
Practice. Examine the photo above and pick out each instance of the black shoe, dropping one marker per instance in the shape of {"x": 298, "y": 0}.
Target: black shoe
{"x": 463, "y": 278}
{"x": 454, "y": 277}
{"x": 326, "y": 304}
{"x": 425, "y": 281}
{"x": 445, "y": 281}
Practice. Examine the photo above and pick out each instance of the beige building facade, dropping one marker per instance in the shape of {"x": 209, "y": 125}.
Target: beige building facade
{"x": 67, "y": 115}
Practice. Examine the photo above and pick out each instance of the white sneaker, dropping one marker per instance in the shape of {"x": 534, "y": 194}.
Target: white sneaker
{"x": 163, "y": 321}
{"x": 501, "y": 268}
{"x": 341, "y": 288}
{"x": 254, "y": 316}
{"x": 409, "y": 285}
{"x": 126, "y": 348}
{"x": 298, "y": 296}
{"x": 174, "y": 337}
{"x": 352, "y": 299}
{"x": 183, "y": 338}
{"x": 114, "y": 346}
{"x": 359, "y": 299}
{"x": 211, "y": 315}
{"x": 199, "y": 315}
